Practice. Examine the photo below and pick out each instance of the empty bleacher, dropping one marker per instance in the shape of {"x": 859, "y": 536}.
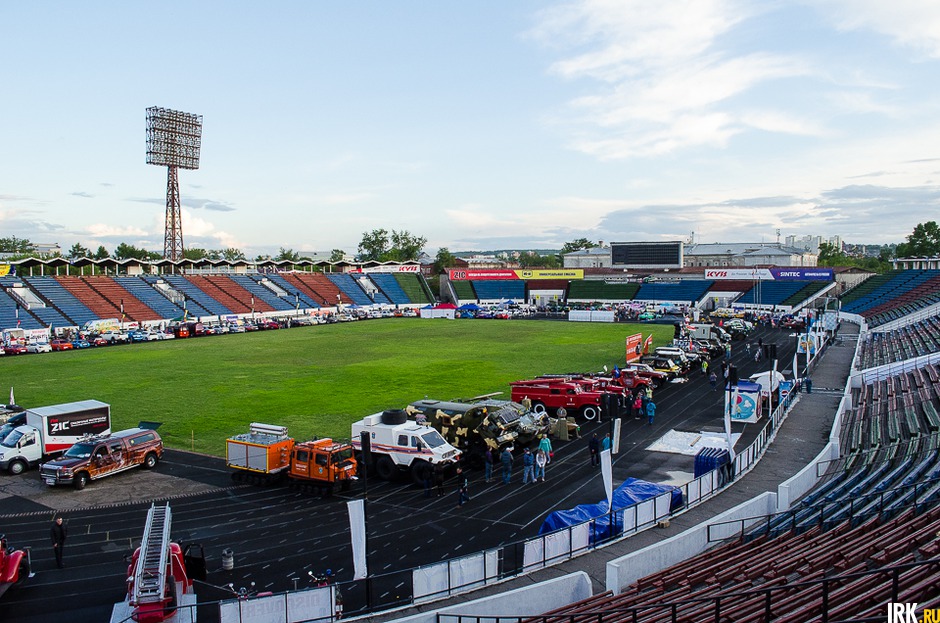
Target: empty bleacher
{"x": 204, "y": 301}
{"x": 117, "y": 295}
{"x": 923, "y": 293}
{"x": 464, "y": 290}
{"x": 914, "y": 340}
{"x": 318, "y": 288}
{"x": 390, "y": 287}
{"x": 690, "y": 290}
{"x": 807, "y": 291}
{"x": 415, "y": 287}
{"x": 149, "y": 296}
{"x": 13, "y": 315}
{"x": 89, "y": 297}
{"x": 584, "y": 290}
{"x": 227, "y": 292}
{"x": 262, "y": 293}
{"x": 879, "y": 292}
{"x": 350, "y": 288}
{"x": 54, "y": 294}
{"x": 772, "y": 293}
{"x": 292, "y": 292}
{"x": 500, "y": 290}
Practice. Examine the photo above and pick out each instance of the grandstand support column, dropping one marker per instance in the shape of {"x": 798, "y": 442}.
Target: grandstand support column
{"x": 173, "y": 237}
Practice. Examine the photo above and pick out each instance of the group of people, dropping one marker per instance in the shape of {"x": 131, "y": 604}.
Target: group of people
{"x": 643, "y": 405}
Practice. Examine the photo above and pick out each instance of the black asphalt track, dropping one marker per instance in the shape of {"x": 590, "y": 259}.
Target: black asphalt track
{"x": 277, "y": 534}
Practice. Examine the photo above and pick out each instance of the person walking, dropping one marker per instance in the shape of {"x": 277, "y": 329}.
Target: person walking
{"x": 638, "y": 406}
{"x": 463, "y": 488}
{"x": 439, "y": 479}
{"x": 594, "y": 447}
{"x": 713, "y": 380}
{"x": 58, "y": 533}
{"x": 704, "y": 366}
{"x": 545, "y": 445}
{"x": 488, "y": 464}
{"x": 727, "y": 352}
{"x": 528, "y": 467}
{"x": 505, "y": 458}
{"x": 541, "y": 460}
{"x": 650, "y": 412}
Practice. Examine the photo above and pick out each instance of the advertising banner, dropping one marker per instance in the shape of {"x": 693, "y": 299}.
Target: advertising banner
{"x": 391, "y": 268}
{"x": 634, "y": 347}
{"x": 461, "y": 274}
{"x": 747, "y": 407}
{"x": 803, "y": 274}
{"x": 738, "y": 273}
{"x": 7, "y": 270}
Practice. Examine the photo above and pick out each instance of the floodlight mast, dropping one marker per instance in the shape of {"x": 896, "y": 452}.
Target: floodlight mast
{"x": 174, "y": 139}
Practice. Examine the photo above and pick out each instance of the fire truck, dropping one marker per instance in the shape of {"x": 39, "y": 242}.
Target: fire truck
{"x": 266, "y": 454}
{"x": 160, "y": 576}
{"x": 550, "y": 395}
{"x": 14, "y": 565}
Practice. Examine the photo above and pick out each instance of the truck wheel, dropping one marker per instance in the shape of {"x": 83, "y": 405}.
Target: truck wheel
{"x": 538, "y": 407}
{"x": 81, "y": 479}
{"x": 17, "y": 467}
{"x": 589, "y": 413}
{"x": 420, "y": 470}
{"x": 150, "y": 461}
{"x": 385, "y": 468}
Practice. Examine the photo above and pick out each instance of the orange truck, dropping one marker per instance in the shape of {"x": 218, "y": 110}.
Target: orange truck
{"x": 266, "y": 454}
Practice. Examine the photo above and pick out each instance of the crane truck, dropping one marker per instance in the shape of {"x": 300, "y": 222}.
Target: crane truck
{"x": 14, "y": 565}
{"x": 266, "y": 454}
{"x": 160, "y": 576}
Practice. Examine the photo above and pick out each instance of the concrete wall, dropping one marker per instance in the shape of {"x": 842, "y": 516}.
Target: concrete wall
{"x": 804, "y": 480}
{"x": 541, "y": 597}
{"x": 624, "y": 571}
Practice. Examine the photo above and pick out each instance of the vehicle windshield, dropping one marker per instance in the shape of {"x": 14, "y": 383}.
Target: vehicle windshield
{"x": 80, "y": 451}
{"x": 342, "y": 455}
{"x": 433, "y": 439}
{"x": 12, "y": 438}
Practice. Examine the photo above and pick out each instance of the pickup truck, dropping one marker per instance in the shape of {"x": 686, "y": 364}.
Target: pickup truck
{"x": 115, "y": 337}
{"x": 99, "y": 456}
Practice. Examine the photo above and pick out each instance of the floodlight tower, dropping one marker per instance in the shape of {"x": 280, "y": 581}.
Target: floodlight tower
{"x": 173, "y": 140}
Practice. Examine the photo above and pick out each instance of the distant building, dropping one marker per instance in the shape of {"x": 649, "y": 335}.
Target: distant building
{"x": 596, "y": 257}
{"x": 743, "y": 254}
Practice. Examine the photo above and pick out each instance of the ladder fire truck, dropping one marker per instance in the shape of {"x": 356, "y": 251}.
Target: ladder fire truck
{"x": 159, "y": 588}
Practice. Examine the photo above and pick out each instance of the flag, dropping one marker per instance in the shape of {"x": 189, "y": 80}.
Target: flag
{"x": 648, "y": 344}
{"x": 12, "y": 400}
{"x": 357, "y": 533}
{"x": 607, "y": 474}
{"x": 734, "y": 402}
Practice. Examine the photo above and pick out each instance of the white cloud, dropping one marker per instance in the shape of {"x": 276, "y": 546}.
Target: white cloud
{"x": 105, "y": 230}
{"x": 912, "y": 24}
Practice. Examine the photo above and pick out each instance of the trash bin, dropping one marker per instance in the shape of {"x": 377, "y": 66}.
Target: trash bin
{"x": 228, "y": 559}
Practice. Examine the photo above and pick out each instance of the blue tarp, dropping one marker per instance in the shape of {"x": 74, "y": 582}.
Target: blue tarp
{"x": 471, "y": 307}
{"x": 632, "y": 491}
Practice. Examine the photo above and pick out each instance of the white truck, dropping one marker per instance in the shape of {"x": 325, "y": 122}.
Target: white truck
{"x": 398, "y": 445}
{"x": 50, "y": 431}
{"x": 708, "y": 332}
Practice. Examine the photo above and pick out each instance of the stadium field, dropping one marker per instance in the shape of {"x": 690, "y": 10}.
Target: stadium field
{"x": 315, "y": 380}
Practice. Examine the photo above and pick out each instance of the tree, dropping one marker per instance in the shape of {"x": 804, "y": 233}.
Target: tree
{"x": 444, "y": 260}
{"x": 338, "y": 255}
{"x": 578, "y": 245}
{"x": 405, "y": 247}
{"x": 15, "y": 245}
{"x": 287, "y": 255}
{"x": 78, "y": 250}
{"x": 924, "y": 241}
{"x": 101, "y": 253}
{"x": 195, "y": 254}
{"x": 373, "y": 245}
{"x": 531, "y": 259}
{"x": 126, "y": 251}
{"x": 231, "y": 254}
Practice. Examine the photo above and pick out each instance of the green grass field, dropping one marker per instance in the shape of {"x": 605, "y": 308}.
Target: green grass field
{"x": 315, "y": 380}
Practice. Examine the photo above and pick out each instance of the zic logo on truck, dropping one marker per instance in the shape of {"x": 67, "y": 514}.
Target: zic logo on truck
{"x": 59, "y": 427}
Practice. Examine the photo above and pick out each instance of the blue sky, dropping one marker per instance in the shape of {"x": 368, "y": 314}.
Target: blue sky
{"x": 479, "y": 125}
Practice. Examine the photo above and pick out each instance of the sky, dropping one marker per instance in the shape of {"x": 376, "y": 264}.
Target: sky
{"x": 477, "y": 125}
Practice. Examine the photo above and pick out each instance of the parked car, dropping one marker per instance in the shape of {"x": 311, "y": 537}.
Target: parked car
{"x": 15, "y": 349}
{"x": 80, "y": 343}
{"x": 98, "y": 341}
{"x": 38, "y": 347}
{"x": 61, "y": 345}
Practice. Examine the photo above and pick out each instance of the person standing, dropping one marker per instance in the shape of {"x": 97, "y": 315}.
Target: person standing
{"x": 541, "y": 460}
{"x": 463, "y": 488}
{"x": 439, "y": 478}
{"x": 650, "y": 412}
{"x": 712, "y": 379}
{"x": 704, "y": 366}
{"x": 605, "y": 442}
{"x": 506, "y": 460}
{"x": 58, "y": 533}
{"x": 594, "y": 446}
{"x": 528, "y": 467}
{"x": 638, "y": 405}
{"x": 545, "y": 445}
{"x": 488, "y": 464}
